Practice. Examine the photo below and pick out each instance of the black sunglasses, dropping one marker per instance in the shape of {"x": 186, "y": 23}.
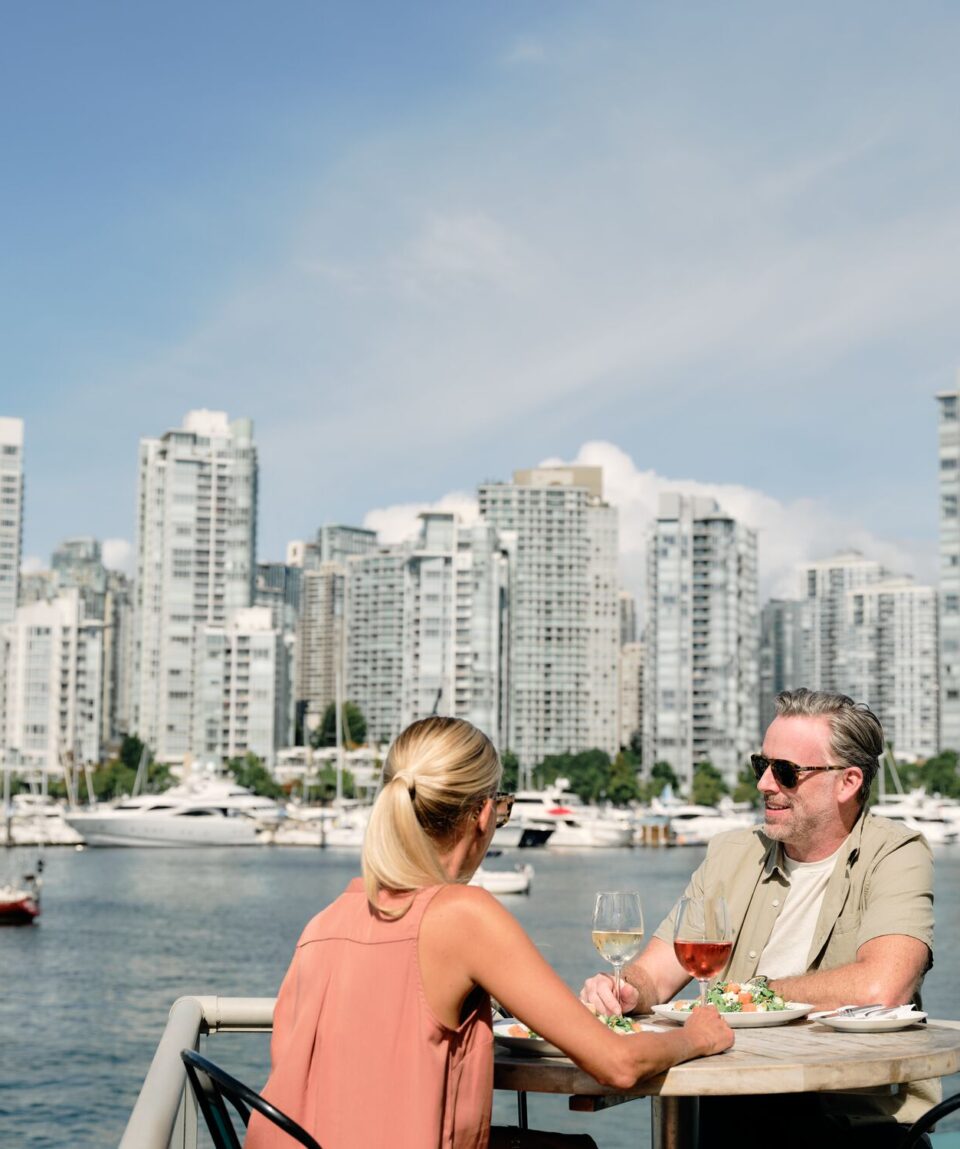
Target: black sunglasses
{"x": 786, "y": 774}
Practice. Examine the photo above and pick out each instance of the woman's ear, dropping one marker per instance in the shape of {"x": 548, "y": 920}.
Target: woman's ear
{"x": 487, "y": 811}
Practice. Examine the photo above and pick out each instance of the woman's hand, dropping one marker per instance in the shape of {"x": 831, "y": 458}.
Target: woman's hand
{"x": 709, "y": 1031}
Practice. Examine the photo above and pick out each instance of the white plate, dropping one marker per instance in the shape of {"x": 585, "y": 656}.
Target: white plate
{"x": 794, "y": 1011}
{"x": 536, "y": 1045}
{"x": 872, "y": 1024}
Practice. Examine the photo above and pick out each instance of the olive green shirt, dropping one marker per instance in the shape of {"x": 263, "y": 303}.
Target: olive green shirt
{"x": 882, "y": 884}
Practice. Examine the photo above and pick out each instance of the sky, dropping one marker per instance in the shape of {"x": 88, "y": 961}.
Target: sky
{"x": 709, "y": 247}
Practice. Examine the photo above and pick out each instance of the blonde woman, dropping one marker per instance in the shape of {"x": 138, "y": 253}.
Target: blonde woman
{"x": 382, "y": 1030}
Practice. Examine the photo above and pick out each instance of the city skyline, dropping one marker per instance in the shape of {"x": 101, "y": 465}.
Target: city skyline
{"x": 420, "y": 250}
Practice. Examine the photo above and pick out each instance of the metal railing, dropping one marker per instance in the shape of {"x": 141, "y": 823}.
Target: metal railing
{"x": 165, "y": 1114}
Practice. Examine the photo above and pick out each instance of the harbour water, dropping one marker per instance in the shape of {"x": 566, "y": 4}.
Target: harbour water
{"x": 125, "y": 932}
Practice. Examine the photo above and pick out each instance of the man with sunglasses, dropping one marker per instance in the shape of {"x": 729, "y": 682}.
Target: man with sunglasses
{"x": 832, "y": 904}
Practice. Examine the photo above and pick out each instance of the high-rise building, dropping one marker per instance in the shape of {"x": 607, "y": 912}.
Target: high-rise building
{"x": 242, "y": 689}
{"x": 196, "y": 534}
{"x": 374, "y": 648}
{"x": 455, "y": 580}
{"x": 562, "y": 652}
{"x": 949, "y": 656}
{"x": 702, "y": 639}
{"x": 11, "y": 514}
{"x": 784, "y": 652}
{"x": 117, "y": 718}
{"x": 53, "y": 683}
{"x": 277, "y": 587}
{"x": 631, "y": 692}
{"x": 321, "y": 638}
{"x": 823, "y": 587}
{"x": 889, "y": 661}
{"x": 628, "y": 618}
{"x": 78, "y": 562}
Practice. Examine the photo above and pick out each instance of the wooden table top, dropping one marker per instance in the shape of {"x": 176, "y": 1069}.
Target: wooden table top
{"x": 803, "y": 1057}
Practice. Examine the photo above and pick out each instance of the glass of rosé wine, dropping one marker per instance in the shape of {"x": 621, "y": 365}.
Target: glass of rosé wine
{"x": 702, "y": 939}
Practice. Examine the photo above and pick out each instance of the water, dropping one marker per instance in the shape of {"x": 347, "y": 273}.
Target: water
{"x": 125, "y": 932}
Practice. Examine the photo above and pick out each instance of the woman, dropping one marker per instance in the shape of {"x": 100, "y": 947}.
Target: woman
{"x": 382, "y": 1028}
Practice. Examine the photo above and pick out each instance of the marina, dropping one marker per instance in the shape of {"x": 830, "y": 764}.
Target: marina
{"x": 124, "y": 933}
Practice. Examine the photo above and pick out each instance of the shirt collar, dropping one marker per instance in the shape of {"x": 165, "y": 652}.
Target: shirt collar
{"x": 773, "y": 857}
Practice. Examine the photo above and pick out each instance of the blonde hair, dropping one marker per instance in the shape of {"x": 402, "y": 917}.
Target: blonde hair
{"x": 437, "y": 772}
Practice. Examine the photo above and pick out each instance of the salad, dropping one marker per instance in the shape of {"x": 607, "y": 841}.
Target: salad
{"x": 753, "y": 996}
{"x": 617, "y": 1023}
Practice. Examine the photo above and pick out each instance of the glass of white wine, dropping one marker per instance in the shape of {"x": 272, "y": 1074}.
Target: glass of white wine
{"x": 618, "y": 928}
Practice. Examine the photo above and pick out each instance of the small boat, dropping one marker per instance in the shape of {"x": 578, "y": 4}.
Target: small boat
{"x": 20, "y": 905}
{"x": 515, "y": 881}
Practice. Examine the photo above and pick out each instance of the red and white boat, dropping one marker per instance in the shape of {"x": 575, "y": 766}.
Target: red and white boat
{"x": 20, "y": 905}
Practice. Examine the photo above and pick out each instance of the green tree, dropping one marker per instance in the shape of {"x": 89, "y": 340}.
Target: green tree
{"x": 130, "y": 751}
{"x": 111, "y": 780}
{"x": 326, "y": 783}
{"x": 746, "y": 788}
{"x": 622, "y": 785}
{"x": 708, "y": 785}
{"x": 511, "y": 771}
{"x": 354, "y": 727}
{"x": 250, "y": 772}
{"x": 939, "y": 775}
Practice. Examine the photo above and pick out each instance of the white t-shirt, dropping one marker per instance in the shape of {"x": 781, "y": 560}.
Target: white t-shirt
{"x": 785, "y": 954}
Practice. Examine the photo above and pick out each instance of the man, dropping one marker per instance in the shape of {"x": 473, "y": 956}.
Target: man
{"x": 832, "y": 904}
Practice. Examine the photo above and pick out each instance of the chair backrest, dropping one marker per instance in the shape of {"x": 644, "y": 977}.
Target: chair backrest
{"x": 914, "y": 1135}
{"x": 211, "y": 1086}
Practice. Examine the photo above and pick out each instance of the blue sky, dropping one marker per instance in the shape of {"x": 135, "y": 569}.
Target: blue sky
{"x": 423, "y": 244}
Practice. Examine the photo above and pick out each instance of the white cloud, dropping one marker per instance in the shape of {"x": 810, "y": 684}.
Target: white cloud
{"x": 789, "y": 533}
{"x": 32, "y": 564}
{"x": 118, "y": 555}
{"x": 524, "y": 52}
{"x": 399, "y": 523}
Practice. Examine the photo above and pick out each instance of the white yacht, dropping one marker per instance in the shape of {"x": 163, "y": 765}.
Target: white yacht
{"x": 203, "y": 810}
{"x": 917, "y": 811}
{"x": 36, "y": 820}
{"x": 340, "y": 825}
{"x": 574, "y": 824}
{"x": 694, "y": 825}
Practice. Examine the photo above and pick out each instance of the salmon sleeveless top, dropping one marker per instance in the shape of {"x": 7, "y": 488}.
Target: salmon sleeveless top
{"x": 358, "y": 1057}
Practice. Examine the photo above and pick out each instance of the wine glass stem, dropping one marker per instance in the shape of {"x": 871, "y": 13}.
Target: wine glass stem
{"x": 616, "y": 970}
{"x": 703, "y": 990}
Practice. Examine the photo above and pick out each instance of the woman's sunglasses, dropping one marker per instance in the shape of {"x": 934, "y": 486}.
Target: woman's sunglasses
{"x": 786, "y": 774}
{"x": 504, "y": 804}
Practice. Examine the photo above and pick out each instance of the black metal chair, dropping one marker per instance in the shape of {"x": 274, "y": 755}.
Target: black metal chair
{"x": 915, "y": 1134}
{"x": 211, "y": 1086}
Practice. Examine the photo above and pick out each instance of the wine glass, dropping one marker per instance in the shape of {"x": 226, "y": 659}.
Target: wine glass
{"x": 618, "y": 928}
{"x": 702, "y": 938}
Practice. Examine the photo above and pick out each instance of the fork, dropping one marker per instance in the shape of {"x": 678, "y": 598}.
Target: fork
{"x": 850, "y": 1011}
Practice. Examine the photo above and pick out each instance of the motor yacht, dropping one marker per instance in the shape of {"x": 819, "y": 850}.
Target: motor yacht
{"x": 203, "y": 810}
{"x": 574, "y": 824}
{"x": 916, "y": 811}
{"x": 694, "y": 825}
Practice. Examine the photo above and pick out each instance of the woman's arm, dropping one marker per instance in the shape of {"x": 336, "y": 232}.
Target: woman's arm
{"x": 467, "y": 938}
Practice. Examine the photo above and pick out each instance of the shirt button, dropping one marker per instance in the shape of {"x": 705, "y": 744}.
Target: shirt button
{"x": 776, "y": 901}
{"x": 753, "y": 953}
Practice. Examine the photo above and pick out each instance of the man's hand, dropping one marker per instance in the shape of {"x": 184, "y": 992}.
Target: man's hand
{"x": 599, "y": 993}
{"x": 708, "y": 1030}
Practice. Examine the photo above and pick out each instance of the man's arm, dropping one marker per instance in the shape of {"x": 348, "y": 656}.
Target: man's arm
{"x": 888, "y": 971}
{"x": 653, "y": 977}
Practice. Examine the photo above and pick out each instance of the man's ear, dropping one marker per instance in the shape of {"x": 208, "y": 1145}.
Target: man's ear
{"x": 852, "y": 781}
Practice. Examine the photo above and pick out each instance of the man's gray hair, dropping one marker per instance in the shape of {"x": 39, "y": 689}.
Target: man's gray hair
{"x": 856, "y": 737}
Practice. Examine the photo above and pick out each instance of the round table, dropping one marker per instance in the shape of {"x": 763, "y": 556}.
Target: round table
{"x": 803, "y": 1057}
